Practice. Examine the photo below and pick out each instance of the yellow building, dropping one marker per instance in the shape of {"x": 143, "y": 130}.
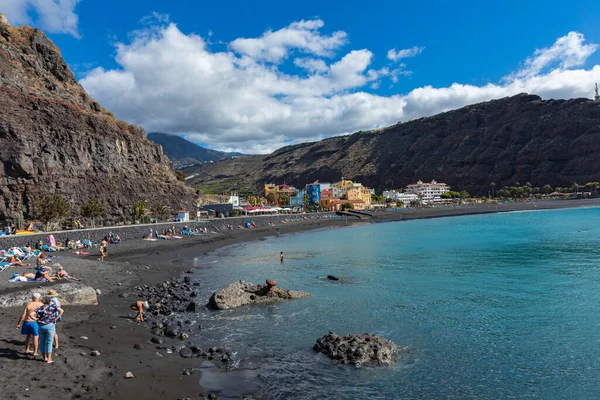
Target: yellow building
{"x": 365, "y": 195}
{"x": 270, "y": 188}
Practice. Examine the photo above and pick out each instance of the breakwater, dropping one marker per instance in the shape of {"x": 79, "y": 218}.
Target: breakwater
{"x": 127, "y": 232}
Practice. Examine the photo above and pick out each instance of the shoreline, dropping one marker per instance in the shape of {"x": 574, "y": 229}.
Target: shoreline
{"x": 135, "y": 263}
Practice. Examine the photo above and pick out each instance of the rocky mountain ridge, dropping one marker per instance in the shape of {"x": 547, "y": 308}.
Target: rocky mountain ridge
{"x": 515, "y": 139}
{"x": 54, "y": 138}
{"x": 183, "y": 152}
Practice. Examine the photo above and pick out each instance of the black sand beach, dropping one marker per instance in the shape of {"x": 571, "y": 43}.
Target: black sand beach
{"x": 110, "y": 328}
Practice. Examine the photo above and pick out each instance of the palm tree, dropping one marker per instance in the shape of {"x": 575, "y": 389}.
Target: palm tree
{"x": 163, "y": 210}
{"x": 140, "y": 210}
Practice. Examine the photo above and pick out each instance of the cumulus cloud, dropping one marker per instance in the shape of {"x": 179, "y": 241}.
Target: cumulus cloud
{"x": 395, "y": 55}
{"x": 240, "y": 99}
{"x": 568, "y": 51}
{"x": 54, "y": 16}
{"x": 303, "y": 36}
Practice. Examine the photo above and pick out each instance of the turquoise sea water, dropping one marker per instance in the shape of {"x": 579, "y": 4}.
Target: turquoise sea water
{"x": 492, "y": 306}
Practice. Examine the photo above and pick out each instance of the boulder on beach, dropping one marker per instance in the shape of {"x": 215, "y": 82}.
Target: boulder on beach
{"x": 71, "y": 294}
{"x": 358, "y": 349}
{"x": 243, "y": 293}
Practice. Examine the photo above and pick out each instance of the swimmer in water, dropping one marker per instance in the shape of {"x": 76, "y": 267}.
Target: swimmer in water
{"x": 281, "y": 256}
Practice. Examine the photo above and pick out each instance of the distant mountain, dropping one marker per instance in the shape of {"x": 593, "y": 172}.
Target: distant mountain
{"x": 183, "y": 152}
{"x": 515, "y": 139}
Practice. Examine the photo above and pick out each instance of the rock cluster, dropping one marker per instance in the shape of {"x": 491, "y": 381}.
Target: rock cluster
{"x": 166, "y": 302}
{"x": 245, "y": 293}
{"x": 168, "y": 297}
{"x": 358, "y": 349}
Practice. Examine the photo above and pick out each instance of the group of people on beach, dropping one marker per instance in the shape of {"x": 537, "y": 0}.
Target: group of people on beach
{"x": 38, "y": 323}
{"x": 43, "y": 272}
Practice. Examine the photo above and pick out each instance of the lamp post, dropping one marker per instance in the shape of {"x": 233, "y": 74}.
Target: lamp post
{"x": 72, "y": 222}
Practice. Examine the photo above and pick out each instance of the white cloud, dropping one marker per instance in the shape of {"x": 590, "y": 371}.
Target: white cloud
{"x": 395, "y": 55}
{"x": 568, "y": 51}
{"x": 312, "y": 65}
{"x": 54, "y": 16}
{"x": 236, "y": 100}
{"x": 303, "y": 36}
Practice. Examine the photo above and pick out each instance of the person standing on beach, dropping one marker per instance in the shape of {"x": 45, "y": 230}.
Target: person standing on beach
{"x": 54, "y": 298}
{"x": 103, "y": 249}
{"x": 47, "y": 316}
{"x": 277, "y": 231}
{"x": 29, "y": 325}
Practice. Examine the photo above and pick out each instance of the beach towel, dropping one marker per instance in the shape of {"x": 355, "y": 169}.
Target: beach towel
{"x": 51, "y": 240}
{"x": 81, "y": 252}
{"x": 151, "y": 239}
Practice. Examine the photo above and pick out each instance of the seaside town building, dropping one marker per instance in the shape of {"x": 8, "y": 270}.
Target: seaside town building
{"x": 428, "y": 191}
{"x": 328, "y": 196}
{"x": 405, "y": 198}
{"x": 313, "y": 190}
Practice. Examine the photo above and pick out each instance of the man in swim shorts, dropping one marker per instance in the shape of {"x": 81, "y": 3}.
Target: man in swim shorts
{"x": 30, "y": 325}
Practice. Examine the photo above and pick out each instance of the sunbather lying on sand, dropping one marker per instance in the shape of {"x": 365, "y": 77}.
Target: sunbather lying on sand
{"x": 44, "y": 275}
{"x": 62, "y": 274}
{"x": 16, "y": 263}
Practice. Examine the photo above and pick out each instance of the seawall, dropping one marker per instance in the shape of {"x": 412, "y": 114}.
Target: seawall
{"x": 127, "y": 232}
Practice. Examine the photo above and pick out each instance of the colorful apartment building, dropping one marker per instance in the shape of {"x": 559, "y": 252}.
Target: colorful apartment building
{"x": 313, "y": 190}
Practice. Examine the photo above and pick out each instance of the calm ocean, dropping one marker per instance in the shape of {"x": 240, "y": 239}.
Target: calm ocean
{"x": 489, "y": 307}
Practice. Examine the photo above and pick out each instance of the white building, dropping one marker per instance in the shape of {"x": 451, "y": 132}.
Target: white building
{"x": 405, "y": 198}
{"x": 234, "y": 199}
{"x": 429, "y": 191}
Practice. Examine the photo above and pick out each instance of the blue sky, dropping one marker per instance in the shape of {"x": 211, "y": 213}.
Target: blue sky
{"x": 324, "y": 69}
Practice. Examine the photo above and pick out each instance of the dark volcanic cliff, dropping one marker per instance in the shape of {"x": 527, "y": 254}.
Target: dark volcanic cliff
{"x": 516, "y": 139}
{"x": 54, "y": 138}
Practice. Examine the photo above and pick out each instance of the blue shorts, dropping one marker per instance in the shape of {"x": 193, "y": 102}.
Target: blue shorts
{"x": 30, "y": 328}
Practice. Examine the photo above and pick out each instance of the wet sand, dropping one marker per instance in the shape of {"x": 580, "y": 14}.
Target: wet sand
{"x": 110, "y": 328}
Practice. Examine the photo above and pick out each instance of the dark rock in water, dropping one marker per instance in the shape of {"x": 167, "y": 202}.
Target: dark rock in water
{"x": 138, "y": 346}
{"x": 244, "y": 293}
{"x": 157, "y": 340}
{"x": 187, "y": 279}
{"x": 186, "y": 352}
{"x": 191, "y": 307}
{"x": 187, "y": 372}
{"x": 358, "y": 349}
{"x": 333, "y": 278}
{"x": 193, "y": 294}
